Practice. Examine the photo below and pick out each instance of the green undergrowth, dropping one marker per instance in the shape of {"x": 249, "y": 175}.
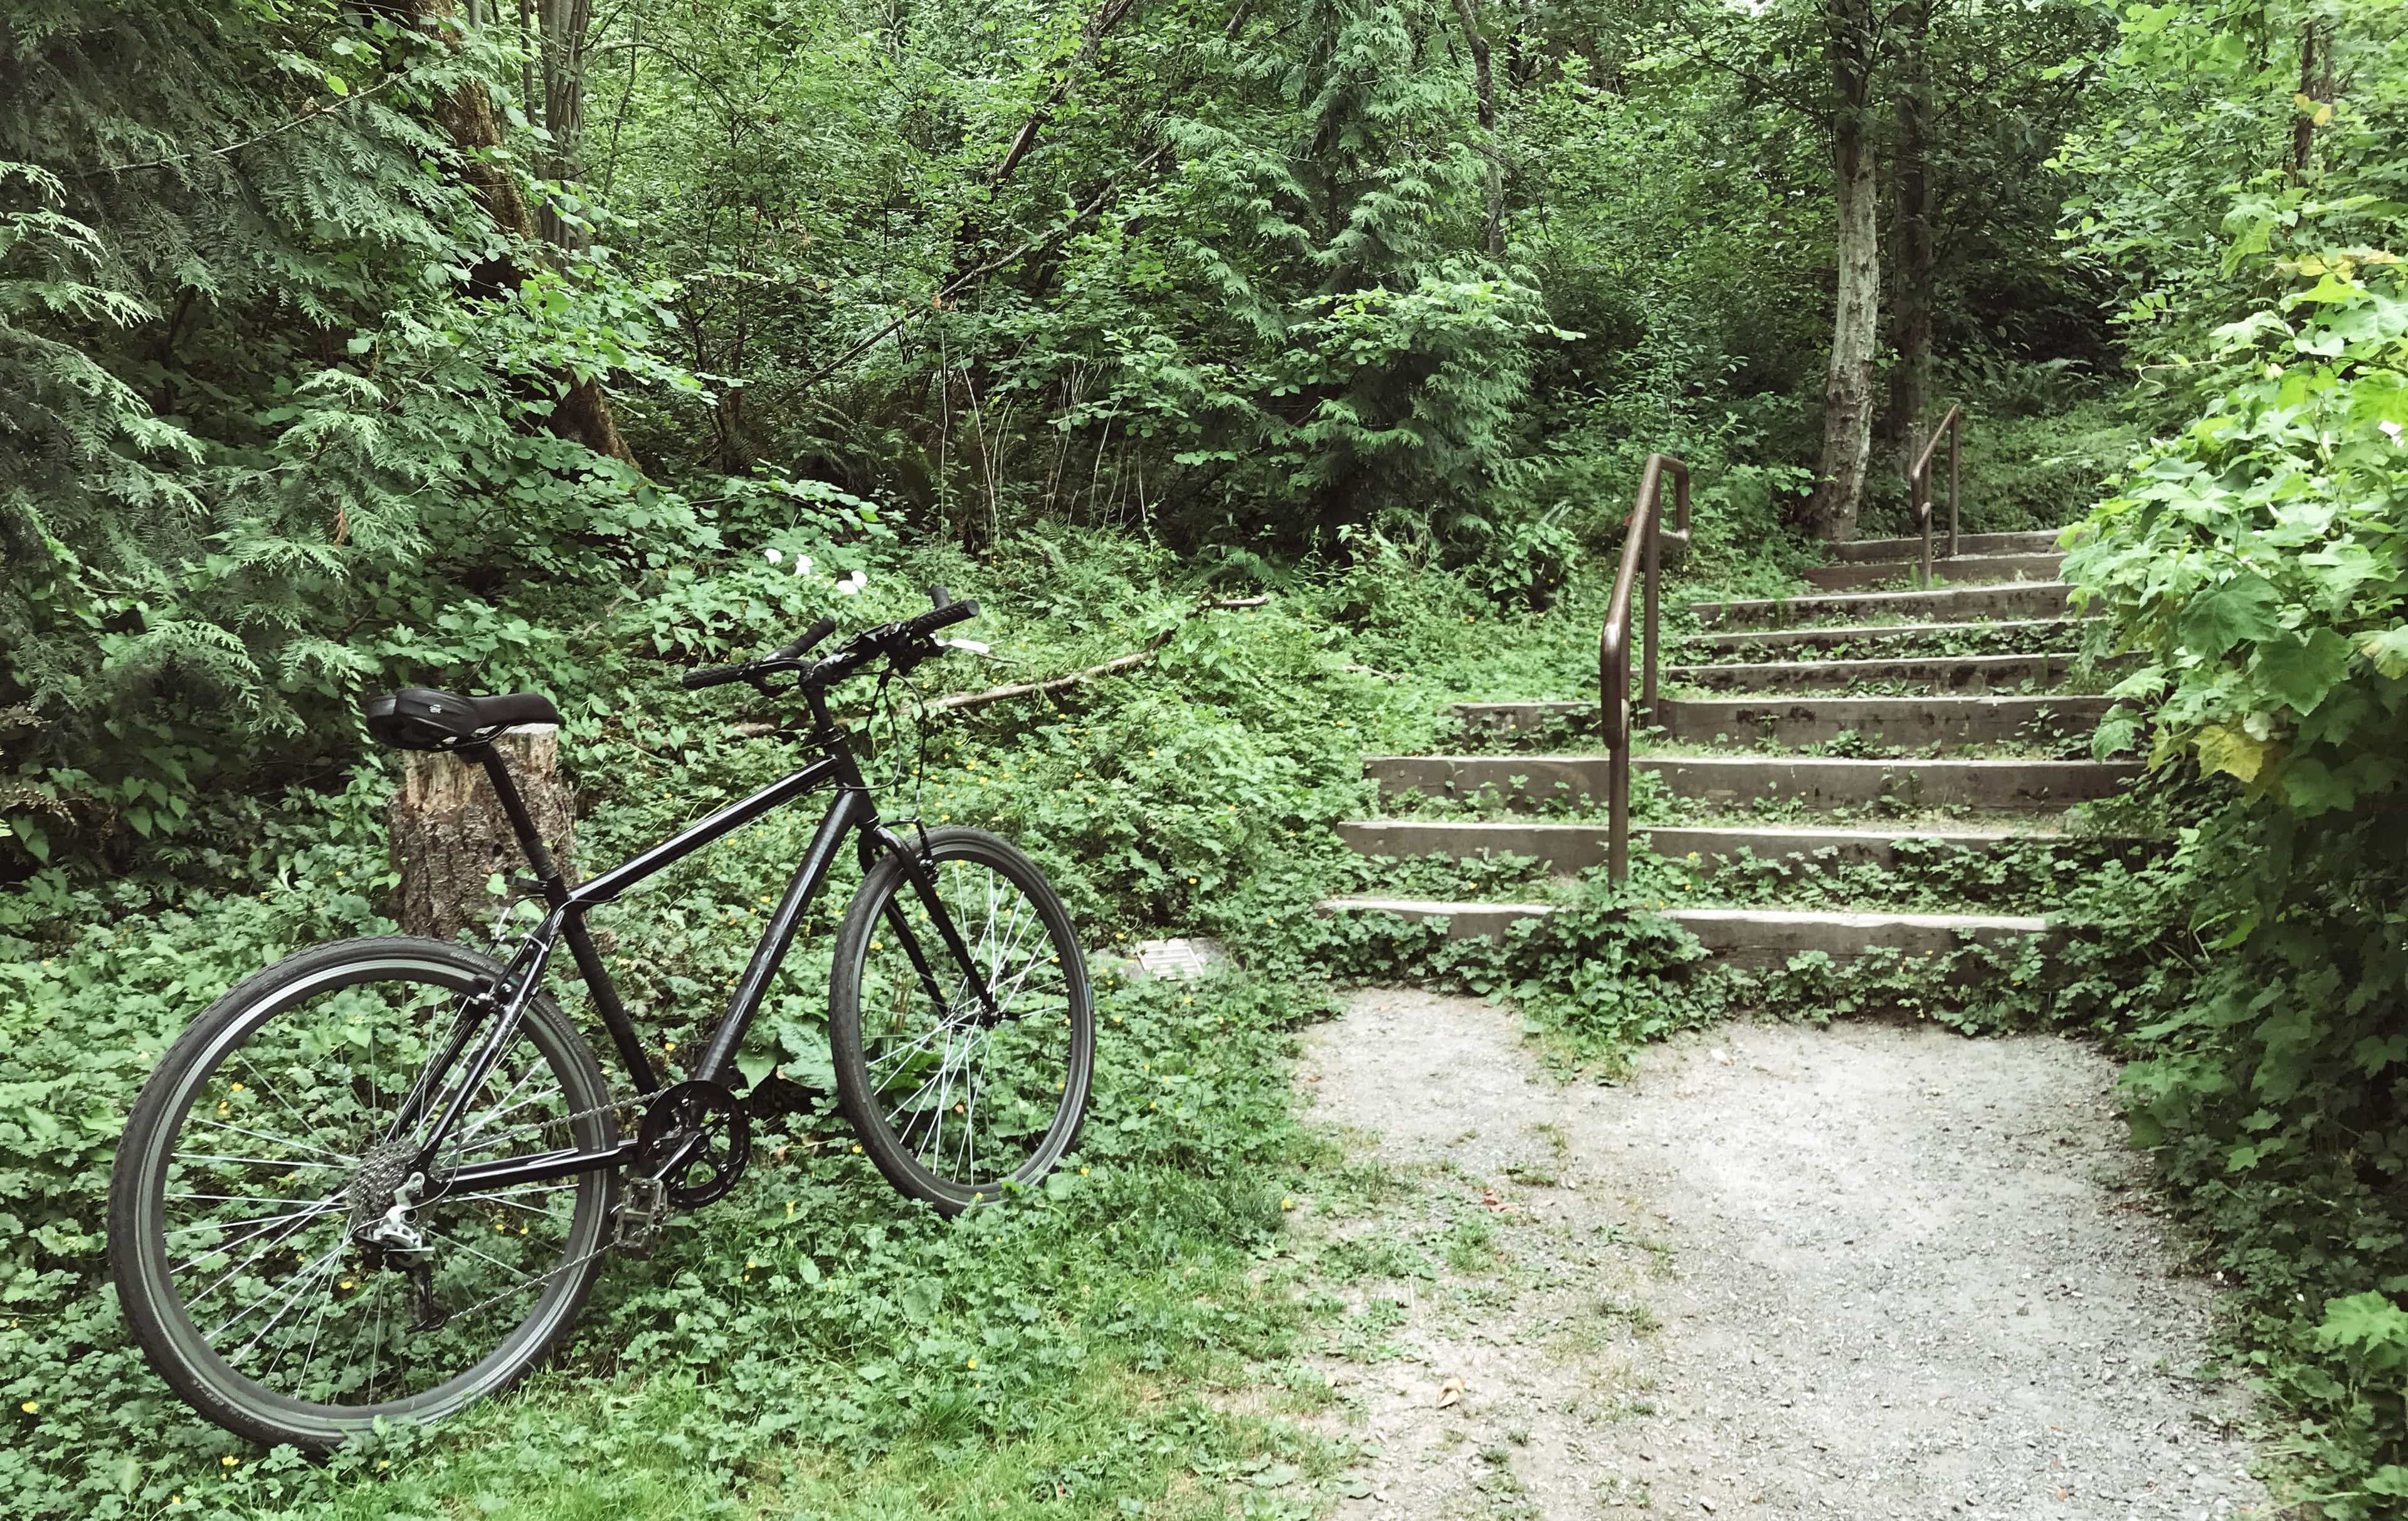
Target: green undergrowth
{"x": 813, "y": 1345}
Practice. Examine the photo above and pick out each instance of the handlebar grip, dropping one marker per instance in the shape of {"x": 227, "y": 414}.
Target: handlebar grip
{"x": 812, "y": 635}
{"x": 946, "y": 616}
{"x": 694, "y": 681}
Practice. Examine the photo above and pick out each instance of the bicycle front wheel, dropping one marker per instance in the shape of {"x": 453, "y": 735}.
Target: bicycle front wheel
{"x": 277, "y": 1127}
{"x": 952, "y": 1101}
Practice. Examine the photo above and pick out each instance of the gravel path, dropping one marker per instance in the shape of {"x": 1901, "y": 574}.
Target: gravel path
{"x": 1857, "y": 1271}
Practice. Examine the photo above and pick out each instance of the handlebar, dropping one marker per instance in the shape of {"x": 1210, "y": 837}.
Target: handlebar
{"x": 907, "y": 644}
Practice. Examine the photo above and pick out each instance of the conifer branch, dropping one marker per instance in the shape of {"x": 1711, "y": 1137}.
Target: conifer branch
{"x": 312, "y": 112}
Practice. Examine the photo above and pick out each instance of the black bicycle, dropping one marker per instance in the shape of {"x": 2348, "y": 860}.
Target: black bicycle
{"x": 377, "y": 1180}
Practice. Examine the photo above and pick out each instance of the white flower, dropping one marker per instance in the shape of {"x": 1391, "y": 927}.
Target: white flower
{"x": 851, "y": 586}
{"x": 802, "y": 565}
{"x": 772, "y": 555}
{"x": 2390, "y": 431}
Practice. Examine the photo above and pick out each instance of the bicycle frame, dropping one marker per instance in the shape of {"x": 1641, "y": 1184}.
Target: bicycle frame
{"x": 563, "y": 919}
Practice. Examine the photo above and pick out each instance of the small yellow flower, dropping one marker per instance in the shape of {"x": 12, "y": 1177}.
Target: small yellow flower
{"x": 230, "y": 1462}
{"x": 1083, "y": 1172}
{"x": 669, "y": 1045}
{"x": 973, "y": 1362}
{"x": 384, "y": 1462}
{"x": 1287, "y": 1203}
{"x": 30, "y": 1407}
{"x": 856, "y": 1148}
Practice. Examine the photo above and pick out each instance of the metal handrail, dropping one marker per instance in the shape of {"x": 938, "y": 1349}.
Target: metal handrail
{"x": 1919, "y": 484}
{"x": 1644, "y": 546}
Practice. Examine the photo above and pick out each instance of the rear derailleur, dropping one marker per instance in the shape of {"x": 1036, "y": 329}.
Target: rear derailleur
{"x": 384, "y": 1226}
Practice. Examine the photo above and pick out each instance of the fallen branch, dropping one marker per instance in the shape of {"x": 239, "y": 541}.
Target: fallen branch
{"x": 1062, "y": 684}
{"x": 960, "y": 700}
{"x": 1059, "y": 684}
{"x": 1037, "y": 689}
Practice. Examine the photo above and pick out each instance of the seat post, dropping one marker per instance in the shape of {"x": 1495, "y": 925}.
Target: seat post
{"x": 539, "y": 855}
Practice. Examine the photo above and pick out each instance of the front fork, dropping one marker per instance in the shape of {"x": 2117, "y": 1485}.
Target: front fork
{"x": 919, "y": 869}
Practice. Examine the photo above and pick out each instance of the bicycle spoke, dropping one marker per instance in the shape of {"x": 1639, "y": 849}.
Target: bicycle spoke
{"x": 320, "y": 1272}
{"x": 472, "y": 1129}
{"x": 226, "y": 1249}
{"x": 272, "y": 1092}
{"x": 262, "y": 1135}
{"x": 236, "y": 1225}
{"x": 523, "y": 1279}
{"x": 284, "y": 1163}
{"x": 246, "y": 1312}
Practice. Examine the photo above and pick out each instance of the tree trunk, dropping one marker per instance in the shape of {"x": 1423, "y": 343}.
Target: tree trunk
{"x": 448, "y": 834}
{"x": 1856, "y": 327}
{"x": 1484, "y": 83}
{"x": 1911, "y": 243}
{"x": 2317, "y": 88}
{"x": 582, "y": 411}
{"x": 566, "y": 27}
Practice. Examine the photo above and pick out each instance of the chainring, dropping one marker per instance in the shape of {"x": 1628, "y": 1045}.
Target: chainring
{"x": 708, "y": 1110}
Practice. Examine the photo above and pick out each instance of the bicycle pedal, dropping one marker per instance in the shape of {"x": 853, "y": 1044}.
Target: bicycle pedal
{"x": 643, "y": 1209}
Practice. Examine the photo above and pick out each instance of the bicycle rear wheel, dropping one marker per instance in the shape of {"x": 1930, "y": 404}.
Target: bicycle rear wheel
{"x": 273, "y": 1128}
{"x": 950, "y": 1103}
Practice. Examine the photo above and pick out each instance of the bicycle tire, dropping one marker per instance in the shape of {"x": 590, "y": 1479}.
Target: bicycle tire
{"x": 141, "y": 1261}
{"x": 864, "y": 1094}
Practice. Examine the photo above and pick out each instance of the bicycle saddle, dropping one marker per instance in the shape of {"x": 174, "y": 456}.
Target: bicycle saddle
{"x": 420, "y": 718}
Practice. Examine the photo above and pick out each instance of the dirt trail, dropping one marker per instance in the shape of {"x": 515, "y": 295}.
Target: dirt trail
{"x": 1858, "y": 1271}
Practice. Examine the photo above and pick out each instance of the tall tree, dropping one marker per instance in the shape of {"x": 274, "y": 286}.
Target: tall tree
{"x": 582, "y": 409}
{"x": 568, "y": 28}
{"x": 1911, "y": 260}
{"x": 1856, "y": 319}
{"x": 1485, "y": 85}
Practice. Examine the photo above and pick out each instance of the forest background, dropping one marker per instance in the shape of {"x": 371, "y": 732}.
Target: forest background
{"x": 496, "y": 345}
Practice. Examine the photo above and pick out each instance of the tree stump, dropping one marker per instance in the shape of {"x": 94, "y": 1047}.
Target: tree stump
{"x": 448, "y": 834}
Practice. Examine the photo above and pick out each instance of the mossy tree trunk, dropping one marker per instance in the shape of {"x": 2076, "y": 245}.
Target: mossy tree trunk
{"x": 449, "y": 836}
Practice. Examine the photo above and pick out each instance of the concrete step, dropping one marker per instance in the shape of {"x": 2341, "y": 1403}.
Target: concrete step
{"x": 1524, "y": 717}
{"x": 1770, "y": 937}
{"x": 1818, "y": 781}
{"x": 2041, "y": 542}
{"x": 2022, "y": 630}
{"x": 1740, "y": 937}
{"x": 1464, "y": 921}
{"x": 1970, "y": 570}
{"x": 1937, "y": 673}
{"x": 1944, "y": 604}
{"x": 1911, "y": 723}
{"x": 1569, "y": 848}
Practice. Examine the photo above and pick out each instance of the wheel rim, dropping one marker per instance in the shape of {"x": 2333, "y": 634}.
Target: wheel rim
{"x": 255, "y": 1182}
{"x": 974, "y": 1101}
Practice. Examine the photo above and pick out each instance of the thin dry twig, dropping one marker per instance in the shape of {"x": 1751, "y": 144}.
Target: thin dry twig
{"x": 960, "y": 700}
